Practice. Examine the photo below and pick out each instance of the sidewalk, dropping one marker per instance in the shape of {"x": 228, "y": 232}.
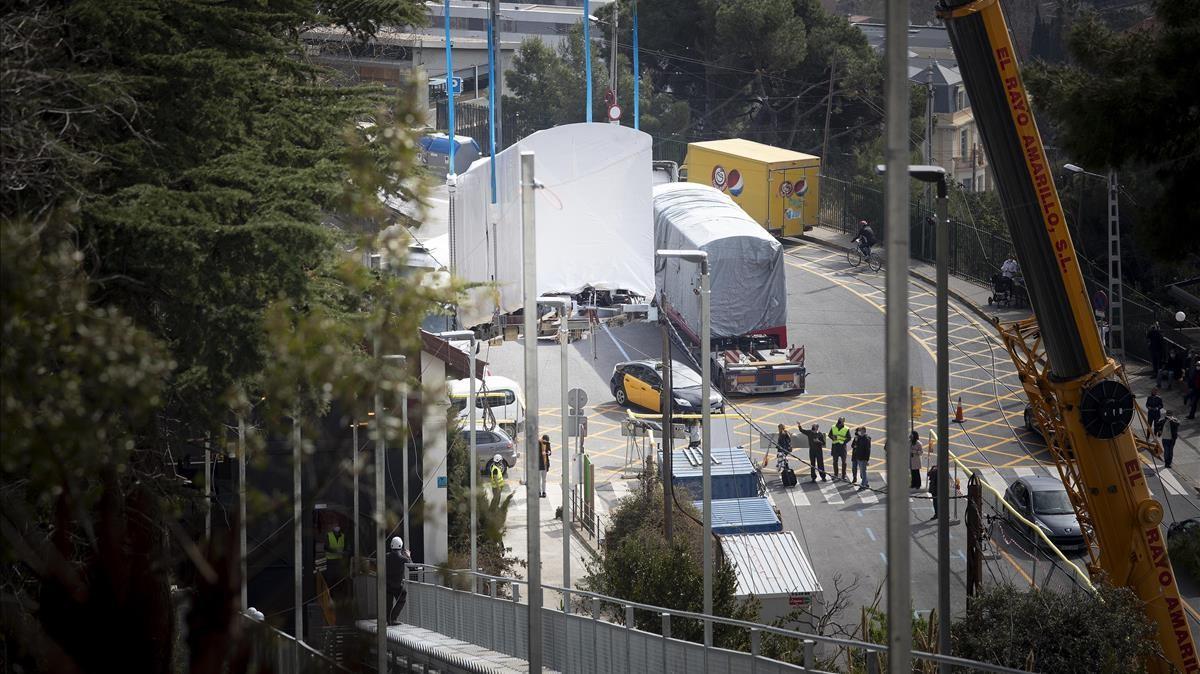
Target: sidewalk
{"x": 551, "y": 531}
{"x": 1186, "y": 464}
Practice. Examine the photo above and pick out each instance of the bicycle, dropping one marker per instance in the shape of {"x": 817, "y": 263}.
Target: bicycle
{"x": 855, "y": 257}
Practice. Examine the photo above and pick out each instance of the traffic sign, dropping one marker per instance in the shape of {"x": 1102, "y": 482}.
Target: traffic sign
{"x": 456, "y": 85}
{"x": 576, "y": 399}
{"x": 918, "y": 400}
{"x": 614, "y": 113}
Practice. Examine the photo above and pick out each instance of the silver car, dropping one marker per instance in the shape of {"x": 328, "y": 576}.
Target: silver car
{"x": 490, "y": 443}
{"x": 1044, "y": 501}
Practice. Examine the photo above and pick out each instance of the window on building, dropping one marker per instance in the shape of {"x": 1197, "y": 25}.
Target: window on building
{"x": 964, "y": 143}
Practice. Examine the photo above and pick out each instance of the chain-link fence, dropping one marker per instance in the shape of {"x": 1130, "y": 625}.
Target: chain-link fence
{"x": 976, "y": 254}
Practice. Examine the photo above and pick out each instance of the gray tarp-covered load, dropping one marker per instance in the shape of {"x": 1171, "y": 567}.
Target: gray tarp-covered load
{"x": 745, "y": 262}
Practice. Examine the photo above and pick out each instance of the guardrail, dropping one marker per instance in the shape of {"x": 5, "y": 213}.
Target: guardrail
{"x": 272, "y": 650}
{"x": 589, "y": 632}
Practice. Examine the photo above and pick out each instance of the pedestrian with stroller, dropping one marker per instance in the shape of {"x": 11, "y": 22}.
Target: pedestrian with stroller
{"x": 816, "y": 452}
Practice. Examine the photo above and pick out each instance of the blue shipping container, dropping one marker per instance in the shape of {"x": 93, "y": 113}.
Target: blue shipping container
{"x": 743, "y": 516}
{"x": 733, "y": 476}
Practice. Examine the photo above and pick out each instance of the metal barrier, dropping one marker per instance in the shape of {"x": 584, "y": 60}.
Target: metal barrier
{"x": 605, "y": 634}
{"x": 280, "y": 653}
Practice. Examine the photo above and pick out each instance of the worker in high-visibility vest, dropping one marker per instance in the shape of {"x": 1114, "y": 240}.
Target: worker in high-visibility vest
{"x": 335, "y": 548}
{"x": 497, "y": 475}
{"x": 839, "y": 436}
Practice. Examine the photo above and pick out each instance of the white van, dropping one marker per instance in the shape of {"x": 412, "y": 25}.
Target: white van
{"x": 498, "y": 400}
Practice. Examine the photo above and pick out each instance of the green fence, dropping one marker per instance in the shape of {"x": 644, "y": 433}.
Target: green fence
{"x": 976, "y": 254}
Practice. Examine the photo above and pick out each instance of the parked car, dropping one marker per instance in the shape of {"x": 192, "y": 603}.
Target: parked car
{"x": 1044, "y": 501}
{"x": 498, "y": 398}
{"x": 639, "y": 382}
{"x": 490, "y": 443}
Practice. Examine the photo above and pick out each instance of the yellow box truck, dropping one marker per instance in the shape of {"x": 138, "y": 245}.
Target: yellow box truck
{"x": 776, "y": 187}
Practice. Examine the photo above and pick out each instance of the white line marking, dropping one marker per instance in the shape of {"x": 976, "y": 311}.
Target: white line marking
{"x": 614, "y": 341}
{"x": 994, "y": 478}
{"x": 830, "y": 491}
{"x": 1173, "y": 485}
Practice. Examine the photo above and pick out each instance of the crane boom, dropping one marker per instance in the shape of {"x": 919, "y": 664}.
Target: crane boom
{"x": 1092, "y": 404}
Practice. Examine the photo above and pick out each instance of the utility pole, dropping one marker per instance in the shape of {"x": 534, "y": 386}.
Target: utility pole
{"x": 381, "y": 603}
{"x": 297, "y": 526}
{"x": 828, "y": 110}
{"x": 899, "y": 528}
{"x": 612, "y": 59}
{"x": 496, "y": 81}
{"x": 974, "y": 534}
{"x": 668, "y": 421}
{"x": 1116, "y": 308}
{"x": 533, "y": 511}
{"x": 241, "y": 449}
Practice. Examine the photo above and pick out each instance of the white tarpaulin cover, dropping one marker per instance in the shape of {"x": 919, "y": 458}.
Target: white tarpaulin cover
{"x": 594, "y": 218}
{"x": 745, "y": 263}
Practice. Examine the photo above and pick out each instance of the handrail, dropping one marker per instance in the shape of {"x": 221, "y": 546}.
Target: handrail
{"x": 770, "y": 629}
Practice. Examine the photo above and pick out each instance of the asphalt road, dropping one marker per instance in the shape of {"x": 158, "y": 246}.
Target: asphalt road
{"x": 837, "y": 313}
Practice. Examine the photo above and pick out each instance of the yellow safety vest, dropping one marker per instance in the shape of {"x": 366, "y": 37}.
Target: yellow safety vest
{"x": 840, "y": 435}
{"x": 497, "y": 477}
{"x": 335, "y": 544}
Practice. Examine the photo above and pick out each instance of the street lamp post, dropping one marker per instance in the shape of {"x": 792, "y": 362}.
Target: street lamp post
{"x": 533, "y": 511}
{"x": 701, "y": 258}
{"x": 564, "y": 308}
{"x": 380, "y": 514}
{"x": 937, "y": 175}
{"x": 469, "y": 335}
{"x": 1116, "y": 308}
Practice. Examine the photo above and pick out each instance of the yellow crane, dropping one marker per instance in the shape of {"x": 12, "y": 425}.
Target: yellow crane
{"x": 1080, "y": 393}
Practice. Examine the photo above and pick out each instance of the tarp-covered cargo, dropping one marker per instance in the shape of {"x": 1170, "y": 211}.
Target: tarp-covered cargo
{"x": 593, "y": 218}
{"x": 746, "y": 265}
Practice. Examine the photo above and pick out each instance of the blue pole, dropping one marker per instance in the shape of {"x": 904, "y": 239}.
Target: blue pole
{"x": 637, "y": 73}
{"x": 449, "y": 85}
{"x": 587, "y": 56}
{"x": 492, "y": 103}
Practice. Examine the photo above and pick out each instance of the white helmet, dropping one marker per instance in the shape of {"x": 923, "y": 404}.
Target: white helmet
{"x": 497, "y": 458}
{"x": 397, "y": 543}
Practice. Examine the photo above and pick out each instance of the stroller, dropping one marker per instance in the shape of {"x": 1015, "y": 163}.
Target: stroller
{"x": 1004, "y": 291}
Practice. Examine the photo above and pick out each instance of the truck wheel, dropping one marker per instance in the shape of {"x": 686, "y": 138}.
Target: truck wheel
{"x": 619, "y": 394}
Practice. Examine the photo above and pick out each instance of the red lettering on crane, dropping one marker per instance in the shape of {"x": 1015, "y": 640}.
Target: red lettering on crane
{"x": 1003, "y": 58}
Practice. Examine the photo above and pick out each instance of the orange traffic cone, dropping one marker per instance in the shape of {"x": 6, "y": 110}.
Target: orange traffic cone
{"x": 958, "y": 415}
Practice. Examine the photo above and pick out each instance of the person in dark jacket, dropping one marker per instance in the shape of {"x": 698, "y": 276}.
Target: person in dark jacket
{"x": 933, "y": 489}
{"x": 816, "y": 452}
{"x": 544, "y": 461}
{"x": 783, "y": 445}
{"x": 397, "y": 558}
{"x": 860, "y": 456}
{"x": 1172, "y": 369}
{"x": 1154, "y": 342}
{"x": 1154, "y": 407}
{"x": 1167, "y": 431}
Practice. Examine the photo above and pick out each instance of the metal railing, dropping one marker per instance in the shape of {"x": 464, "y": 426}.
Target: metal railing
{"x": 272, "y": 650}
{"x": 608, "y": 634}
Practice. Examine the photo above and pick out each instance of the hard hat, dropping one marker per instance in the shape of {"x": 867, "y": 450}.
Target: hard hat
{"x": 497, "y": 458}
{"x": 397, "y": 543}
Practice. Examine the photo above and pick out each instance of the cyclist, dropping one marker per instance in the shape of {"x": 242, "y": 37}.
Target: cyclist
{"x": 865, "y": 238}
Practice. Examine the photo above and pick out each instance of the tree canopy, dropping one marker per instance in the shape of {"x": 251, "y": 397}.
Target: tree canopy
{"x": 170, "y": 172}
{"x": 1130, "y": 101}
